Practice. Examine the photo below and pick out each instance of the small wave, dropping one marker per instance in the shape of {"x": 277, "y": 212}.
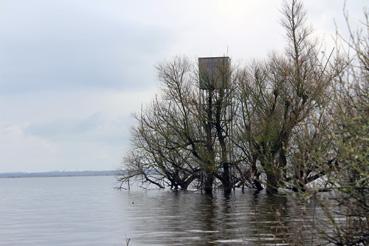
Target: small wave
{"x": 201, "y": 231}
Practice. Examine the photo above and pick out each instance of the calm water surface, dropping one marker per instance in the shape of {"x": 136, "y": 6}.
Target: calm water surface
{"x": 89, "y": 211}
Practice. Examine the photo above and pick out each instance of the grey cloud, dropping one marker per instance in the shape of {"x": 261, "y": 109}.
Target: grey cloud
{"x": 94, "y": 128}
{"x": 50, "y": 49}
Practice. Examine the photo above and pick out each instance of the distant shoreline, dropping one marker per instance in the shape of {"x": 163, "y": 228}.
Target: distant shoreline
{"x": 59, "y": 174}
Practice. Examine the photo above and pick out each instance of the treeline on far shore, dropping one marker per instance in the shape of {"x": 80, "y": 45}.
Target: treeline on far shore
{"x": 59, "y": 174}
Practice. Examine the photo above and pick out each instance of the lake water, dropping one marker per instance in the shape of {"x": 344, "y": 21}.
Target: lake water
{"x": 89, "y": 211}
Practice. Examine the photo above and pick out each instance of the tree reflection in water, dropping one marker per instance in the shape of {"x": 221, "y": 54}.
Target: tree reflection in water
{"x": 244, "y": 219}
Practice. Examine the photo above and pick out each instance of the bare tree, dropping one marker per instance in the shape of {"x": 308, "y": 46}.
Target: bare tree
{"x": 278, "y": 95}
{"x": 181, "y": 139}
{"x": 351, "y": 180}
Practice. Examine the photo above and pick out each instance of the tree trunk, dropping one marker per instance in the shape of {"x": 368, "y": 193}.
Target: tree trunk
{"x": 257, "y": 184}
{"x": 227, "y": 186}
{"x": 184, "y": 186}
{"x": 208, "y": 183}
{"x": 272, "y": 182}
{"x": 185, "y": 183}
{"x": 255, "y": 175}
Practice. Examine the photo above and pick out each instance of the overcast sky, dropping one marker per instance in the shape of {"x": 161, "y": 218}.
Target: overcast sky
{"x": 72, "y": 72}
